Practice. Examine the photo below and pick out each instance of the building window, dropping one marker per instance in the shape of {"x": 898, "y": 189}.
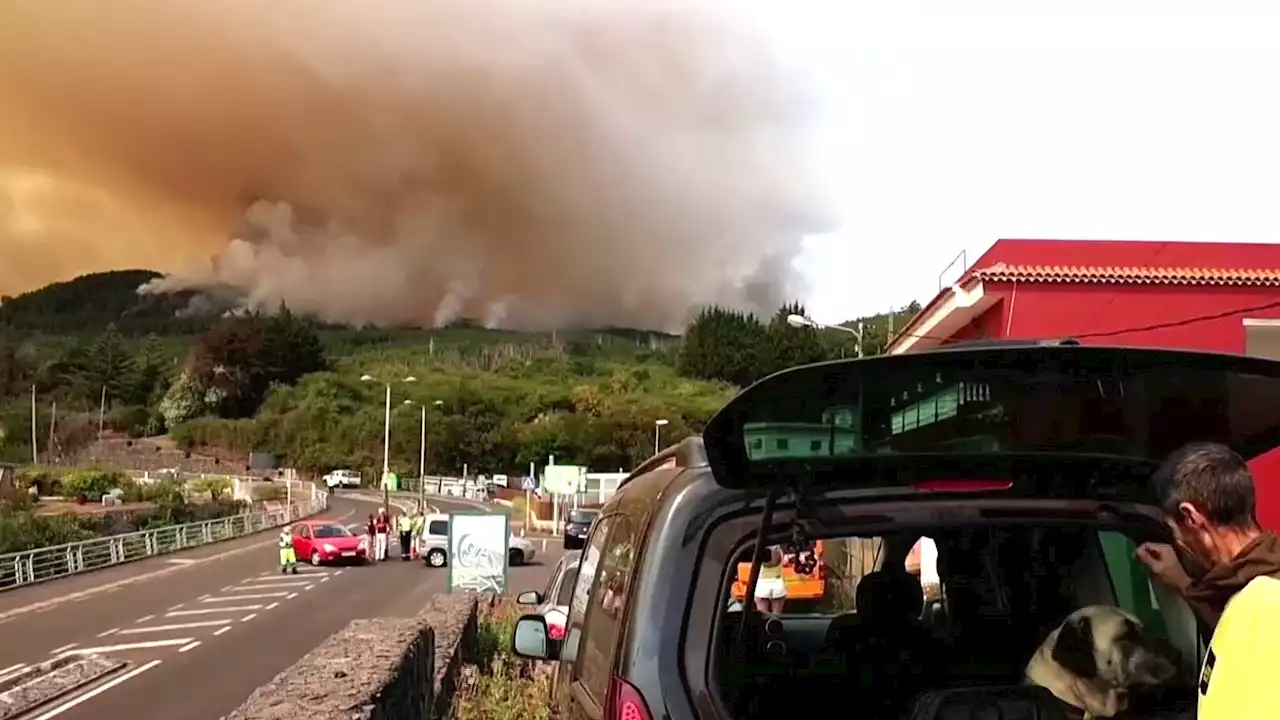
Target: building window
{"x": 815, "y": 446}
{"x": 782, "y": 444}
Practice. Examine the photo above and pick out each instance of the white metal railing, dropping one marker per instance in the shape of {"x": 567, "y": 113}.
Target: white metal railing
{"x": 50, "y": 563}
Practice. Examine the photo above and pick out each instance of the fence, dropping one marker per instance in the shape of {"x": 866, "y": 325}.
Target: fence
{"x": 50, "y": 563}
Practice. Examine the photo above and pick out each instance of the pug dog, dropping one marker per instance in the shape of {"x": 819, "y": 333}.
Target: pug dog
{"x": 1097, "y": 658}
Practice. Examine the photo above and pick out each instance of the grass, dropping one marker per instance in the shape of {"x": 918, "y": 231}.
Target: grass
{"x": 501, "y": 686}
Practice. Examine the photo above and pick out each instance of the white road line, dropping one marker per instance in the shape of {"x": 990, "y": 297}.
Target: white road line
{"x": 324, "y": 579}
{"x": 206, "y": 611}
{"x": 219, "y": 631}
{"x": 272, "y": 586}
{"x": 8, "y": 615}
{"x": 175, "y": 607}
{"x": 64, "y": 647}
{"x": 291, "y": 596}
{"x": 112, "y": 631}
{"x": 12, "y": 670}
{"x": 202, "y": 597}
{"x": 338, "y": 573}
{"x": 58, "y": 710}
{"x": 310, "y": 586}
{"x": 248, "y": 617}
{"x": 182, "y": 561}
{"x": 233, "y": 598}
{"x": 176, "y": 626}
{"x": 128, "y": 646}
{"x": 144, "y": 618}
{"x": 189, "y": 646}
{"x": 272, "y": 605}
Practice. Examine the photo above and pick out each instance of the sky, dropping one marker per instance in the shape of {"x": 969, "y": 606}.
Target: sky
{"x": 949, "y": 125}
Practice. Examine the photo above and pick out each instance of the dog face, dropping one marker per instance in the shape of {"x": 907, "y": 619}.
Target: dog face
{"x": 1106, "y": 645}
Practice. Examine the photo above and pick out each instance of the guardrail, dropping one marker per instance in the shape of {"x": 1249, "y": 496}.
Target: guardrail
{"x": 50, "y": 563}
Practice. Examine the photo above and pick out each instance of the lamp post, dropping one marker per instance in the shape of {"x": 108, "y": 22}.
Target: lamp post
{"x": 422, "y": 457}
{"x": 386, "y": 439}
{"x": 657, "y": 432}
{"x": 800, "y": 321}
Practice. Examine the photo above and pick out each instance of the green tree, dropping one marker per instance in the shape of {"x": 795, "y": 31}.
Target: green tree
{"x": 791, "y": 346}
{"x": 724, "y": 345}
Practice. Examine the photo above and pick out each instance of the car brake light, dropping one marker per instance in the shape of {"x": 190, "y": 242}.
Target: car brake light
{"x": 625, "y": 702}
{"x": 555, "y": 632}
{"x": 960, "y": 485}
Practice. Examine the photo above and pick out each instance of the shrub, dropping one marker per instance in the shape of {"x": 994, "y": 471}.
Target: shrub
{"x": 215, "y": 486}
{"x": 269, "y": 493}
{"x": 501, "y": 686}
{"x": 93, "y": 483}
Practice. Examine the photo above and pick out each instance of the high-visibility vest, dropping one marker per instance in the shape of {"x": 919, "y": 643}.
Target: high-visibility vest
{"x": 286, "y": 540}
{"x": 1237, "y": 677}
{"x": 419, "y": 523}
{"x": 404, "y": 523}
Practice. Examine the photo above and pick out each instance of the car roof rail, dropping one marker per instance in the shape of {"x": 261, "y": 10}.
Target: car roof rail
{"x": 689, "y": 452}
{"x": 1009, "y": 343}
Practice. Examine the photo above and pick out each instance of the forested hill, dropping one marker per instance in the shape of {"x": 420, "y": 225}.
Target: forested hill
{"x": 91, "y": 302}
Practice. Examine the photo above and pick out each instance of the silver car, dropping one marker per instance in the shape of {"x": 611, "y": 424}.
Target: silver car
{"x": 553, "y": 602}
{"x": 433, "y": 545}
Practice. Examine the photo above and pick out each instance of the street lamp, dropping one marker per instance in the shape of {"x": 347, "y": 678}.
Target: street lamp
{"x": 422, "y": 457}
{"x": 657, "y": 432}
{"x": 386, "y": 438}
{"x": 800, "y": 321}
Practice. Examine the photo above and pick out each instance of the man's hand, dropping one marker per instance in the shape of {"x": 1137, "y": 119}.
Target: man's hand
{"x": 1162, "y": 561}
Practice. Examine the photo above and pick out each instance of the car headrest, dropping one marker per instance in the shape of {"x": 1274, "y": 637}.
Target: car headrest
{"x": 887, "y": 594}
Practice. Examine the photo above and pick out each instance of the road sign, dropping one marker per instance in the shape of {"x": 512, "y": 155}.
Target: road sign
{"x": 527, "y": 483}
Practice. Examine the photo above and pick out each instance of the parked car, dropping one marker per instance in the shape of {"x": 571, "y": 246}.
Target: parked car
{"x": 342, "y": 479}
{"x": 1029, "y": 467}
{"x": 322, "y": 541}
{"x": 553, "y": 602}
{"x": 433, "y": 545}
{"x": 576, "y": 527}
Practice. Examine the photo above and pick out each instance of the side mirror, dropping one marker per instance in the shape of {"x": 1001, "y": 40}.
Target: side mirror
{"x": 530, "y": 638}
{"x": 531, "y": 597}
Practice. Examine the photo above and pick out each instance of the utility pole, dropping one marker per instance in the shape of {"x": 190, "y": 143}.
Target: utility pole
{"x": 53, "y": 425}
{"x": 102, "y": 412}
{"x": 422, "y": 465}
{"x": 35, "y": 447}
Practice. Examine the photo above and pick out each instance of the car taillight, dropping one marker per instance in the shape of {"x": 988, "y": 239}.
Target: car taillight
{"x": 960, "y": 485}
{"x": 555, "y": 632}
{"x": 625, "y": 702}
{"x": 822, "y": 572}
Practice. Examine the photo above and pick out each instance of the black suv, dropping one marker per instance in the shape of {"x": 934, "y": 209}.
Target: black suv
{"x": 576, "y": 527}
{"x": 1029, "y": 469}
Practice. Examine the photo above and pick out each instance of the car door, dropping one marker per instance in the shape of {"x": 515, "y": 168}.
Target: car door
{"x": 302, "y": 541}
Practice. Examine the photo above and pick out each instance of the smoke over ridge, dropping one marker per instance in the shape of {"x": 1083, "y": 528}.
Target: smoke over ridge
{"x": 531, "y": 164}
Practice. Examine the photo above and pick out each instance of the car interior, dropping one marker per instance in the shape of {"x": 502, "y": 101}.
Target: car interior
{"x": 1006, "y": 584}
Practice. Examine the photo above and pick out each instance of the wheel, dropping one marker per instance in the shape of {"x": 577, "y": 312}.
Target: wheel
{"x": 515, "y": 557}
{"x": 436, "y": 558}
{"x": 315, "y": 558}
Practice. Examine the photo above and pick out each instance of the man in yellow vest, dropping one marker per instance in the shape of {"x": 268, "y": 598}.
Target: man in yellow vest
{"x": 1228, "y": 570}
{"x": 288, "y": 558}
{"x": 404, "y": 526}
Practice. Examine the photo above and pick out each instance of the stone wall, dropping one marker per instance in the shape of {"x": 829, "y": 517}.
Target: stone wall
{"x": 379, "y": 669}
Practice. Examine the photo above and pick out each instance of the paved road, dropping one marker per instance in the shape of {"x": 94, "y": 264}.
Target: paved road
{"x": 204, "y": 628}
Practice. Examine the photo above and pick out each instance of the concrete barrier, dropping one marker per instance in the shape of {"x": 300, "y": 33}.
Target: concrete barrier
{"x": 378, "y": 669}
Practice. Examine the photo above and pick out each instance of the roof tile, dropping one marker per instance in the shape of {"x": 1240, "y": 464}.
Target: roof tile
{"x": 1004, "y": 272}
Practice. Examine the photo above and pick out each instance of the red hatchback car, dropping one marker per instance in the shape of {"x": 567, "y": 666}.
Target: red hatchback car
{"x": 322, "y": 541}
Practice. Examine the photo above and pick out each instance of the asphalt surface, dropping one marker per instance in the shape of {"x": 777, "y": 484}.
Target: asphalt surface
{"x": 206, "y": 627}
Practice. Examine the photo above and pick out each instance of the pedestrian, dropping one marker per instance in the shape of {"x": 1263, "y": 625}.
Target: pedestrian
{"x": 1210, "y": 503}
{"x": 419, "y": 528}
{"x": 288, "y": 558}
{"x": 404, "y": 527}
{"x": 381, "y": 528}
{"x": 771, "y": 586}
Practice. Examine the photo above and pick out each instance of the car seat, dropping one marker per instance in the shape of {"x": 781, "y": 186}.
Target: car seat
{"x": 1017, "y": 702}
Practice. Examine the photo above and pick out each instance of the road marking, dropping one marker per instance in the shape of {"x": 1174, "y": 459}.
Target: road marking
{"x": 206, "y": 611}
{"x": 324, "y": 579}
{"x": 12, "y": 671}
{"x": 112, "y": 631}
{"x": 182, "y": 561}
{"x": 273, "y": 586}
{"x": 175, "y": 607}
{"x": 231, "y": 598}
{"x": 338, "y": 573}
{"x": 202, "y": 597}
{"x": 248, "y": 617}
{"x": 291, "y": 596}
{"x": 8, "y": 615}
{"x": 190, "y": 646}
{"x": 58, "y": 710}
{"x": 64, "y": 647}
{"x": 272, "y": 605}
{"x": 144, "y": 618}
{"x": 219, "y": 631}
{"x": 175, "y": 626}
{"x": 128, "y": 646}
{"x": 308, "y": 587}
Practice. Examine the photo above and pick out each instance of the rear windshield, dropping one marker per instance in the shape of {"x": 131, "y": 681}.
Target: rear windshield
{"x": 583, "y": 516}
{"x": 1137, "y": 404}
{"x": 567, "y": 584}
{"x": 331, "y": 531}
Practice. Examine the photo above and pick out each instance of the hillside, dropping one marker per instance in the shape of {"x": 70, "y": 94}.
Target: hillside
{"x": 495, "y": 401}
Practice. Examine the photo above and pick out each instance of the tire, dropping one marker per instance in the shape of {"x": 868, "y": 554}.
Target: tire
{"x": 515, "y": 557}
{"x": 436, "y": 558}
{"x": 315, "y": 558}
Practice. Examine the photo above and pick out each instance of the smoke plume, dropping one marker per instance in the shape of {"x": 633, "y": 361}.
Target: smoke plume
{"x": 526, "y": 163}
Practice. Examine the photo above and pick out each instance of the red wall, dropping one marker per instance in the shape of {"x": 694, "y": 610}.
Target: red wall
{"x": 1049, "y": 310}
